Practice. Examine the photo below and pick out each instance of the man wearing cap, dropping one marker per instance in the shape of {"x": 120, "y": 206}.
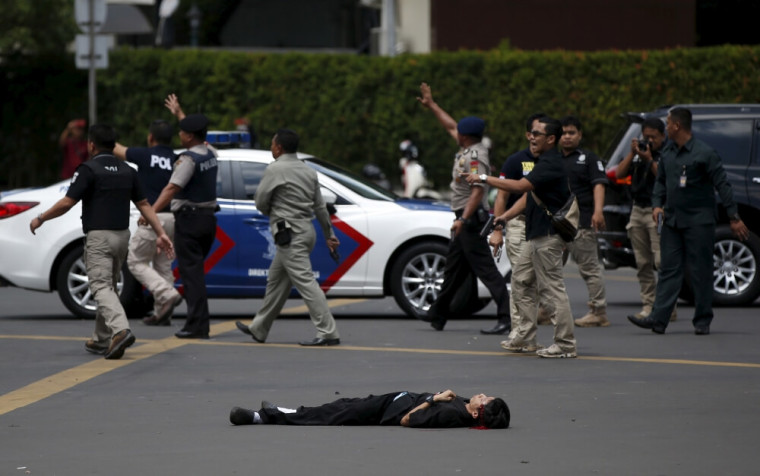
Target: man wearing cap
{"x": 106, "y": 185}
{"x": 153, "y": 270}
{"x": 192, "y": 193}
{"x": 468, "y": 251}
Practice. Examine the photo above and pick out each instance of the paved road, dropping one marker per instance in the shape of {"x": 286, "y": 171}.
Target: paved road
{"x": 633, "y": 403}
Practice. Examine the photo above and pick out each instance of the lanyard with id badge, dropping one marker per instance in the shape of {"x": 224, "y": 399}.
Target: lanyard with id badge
{"x": 682, "y": 178}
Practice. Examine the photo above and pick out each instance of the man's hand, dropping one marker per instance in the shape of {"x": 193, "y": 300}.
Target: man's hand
{"x": 645, "y": 155}
{"x": 456, "y": 227}
{"x": 163, "y": 243}
{"x": 470, "y": 178}
{"x": 496, "y": 240}
{"x": 426, "y": 98}
{"x": 597, "y": 221}
{"x": 333, "y": 243}
{"x": 656, "y": 214}
{"x": 446, "y": 396}
{"x": 740, "y": 230}
{"x": 34, "y": 224}
{"x": 172, "y": 104}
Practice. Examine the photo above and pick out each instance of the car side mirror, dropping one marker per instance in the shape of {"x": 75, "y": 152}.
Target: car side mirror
{"x": 330, "y": 199}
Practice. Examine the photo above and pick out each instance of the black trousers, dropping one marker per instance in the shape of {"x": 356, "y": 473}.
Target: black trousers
{"x": 679, "y": 246}
{"x": 345, "y": 411}
{"x": 194, "y": 235}
{"x": 469, "y": 253}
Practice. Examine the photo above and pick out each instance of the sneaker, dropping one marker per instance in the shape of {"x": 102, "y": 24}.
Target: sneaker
{"x": 95, "y": 347}
{"x": 119, "y": 344}
{"x": 593, "y": 319}
{"x": 520, "y": 347}
{"x": 555, "y": 352}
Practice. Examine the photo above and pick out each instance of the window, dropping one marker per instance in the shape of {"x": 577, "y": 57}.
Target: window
{"x": 731, "y": 138}
{"x": 251, "y": 173}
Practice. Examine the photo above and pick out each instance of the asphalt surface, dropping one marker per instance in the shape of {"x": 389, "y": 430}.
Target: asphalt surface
{"x": 633, "y": 403}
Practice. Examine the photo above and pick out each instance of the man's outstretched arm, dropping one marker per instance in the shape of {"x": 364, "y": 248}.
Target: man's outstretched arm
{"x": 426, "y": 99}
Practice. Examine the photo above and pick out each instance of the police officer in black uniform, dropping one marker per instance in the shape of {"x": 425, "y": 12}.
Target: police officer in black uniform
{"x": 106, "y": 185}
{"x": 154, "y": 271}
{"x": 192, "y": 192}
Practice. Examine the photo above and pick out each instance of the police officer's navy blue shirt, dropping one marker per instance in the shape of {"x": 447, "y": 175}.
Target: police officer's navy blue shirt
{"x": 517, "y": 166}
{"x": 549, "y": 180}
{"x": 154, "y": 168}
{"x": 105, "y": 185}
{"x": 585, "y": 170}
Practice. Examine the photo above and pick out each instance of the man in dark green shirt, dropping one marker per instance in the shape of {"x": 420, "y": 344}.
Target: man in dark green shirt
{"x": 689, "y": 173}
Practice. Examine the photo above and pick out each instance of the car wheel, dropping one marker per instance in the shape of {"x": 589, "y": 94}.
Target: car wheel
{"x": 736, "y": 280}
{"x": 417, "y": 276}
{"x": 416, "y": 279}
{"x": 73, "y": 285}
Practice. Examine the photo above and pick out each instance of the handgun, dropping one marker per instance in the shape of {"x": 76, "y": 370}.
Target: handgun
{"x": 335, "y": 255}
{"x": 487, "y": 228}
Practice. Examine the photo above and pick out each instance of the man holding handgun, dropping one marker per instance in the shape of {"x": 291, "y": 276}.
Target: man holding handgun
{"x": 468, "y": 250}
{"x": 289, "y": 194}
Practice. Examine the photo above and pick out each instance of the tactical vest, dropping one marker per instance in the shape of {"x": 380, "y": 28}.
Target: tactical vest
{"x": 107, "y": 206}
{"x": 202, "y": 185}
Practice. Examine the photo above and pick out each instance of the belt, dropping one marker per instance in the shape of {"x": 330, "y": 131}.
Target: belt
{"x": 193, "y": 210}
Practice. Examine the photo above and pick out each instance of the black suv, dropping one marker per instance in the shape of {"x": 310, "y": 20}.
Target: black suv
{"x": 733, "y": 130}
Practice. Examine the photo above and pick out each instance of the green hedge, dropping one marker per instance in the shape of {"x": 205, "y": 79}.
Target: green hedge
{"x": 356, "y": 109}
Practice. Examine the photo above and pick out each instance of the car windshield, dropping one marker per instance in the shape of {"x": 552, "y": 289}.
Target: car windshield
{"x": 621, "y": 144}
{"x": 351, "y": 180}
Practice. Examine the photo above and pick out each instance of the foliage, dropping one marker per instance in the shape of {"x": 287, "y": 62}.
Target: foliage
{"x": 39, "y": 26}
{"x": 357, "y": 109}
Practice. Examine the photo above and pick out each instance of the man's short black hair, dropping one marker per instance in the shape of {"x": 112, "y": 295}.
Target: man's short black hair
{"x": 653, "y": 123}
{"x": 162, "y": 131}
{"x": 288, "y": 140}
{"x": 531, "y": 118}
{"x": 571, "y": 121}
{"x": 682, "y": 116}
{"x": 103, "y": 136}
{"x": 553, "y": 128}
{"x": 496, "y": 414}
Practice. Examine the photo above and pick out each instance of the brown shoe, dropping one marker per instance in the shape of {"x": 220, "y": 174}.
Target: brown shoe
{"x": 596, "y": 317}
{"x": 164, "y": 315}
{"x": 95, "y": 347}
{"x": 119, "y": 343}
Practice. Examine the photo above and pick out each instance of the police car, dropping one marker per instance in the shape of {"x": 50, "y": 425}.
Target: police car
{"x": 390, "y": 246}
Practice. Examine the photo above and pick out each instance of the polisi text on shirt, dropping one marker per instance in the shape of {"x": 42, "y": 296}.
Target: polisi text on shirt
{"x": 162, "y": 162}
{"x": 209, "y": 164}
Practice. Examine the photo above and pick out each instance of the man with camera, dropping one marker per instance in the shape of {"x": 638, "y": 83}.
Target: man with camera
{"x": 641, "y": 163}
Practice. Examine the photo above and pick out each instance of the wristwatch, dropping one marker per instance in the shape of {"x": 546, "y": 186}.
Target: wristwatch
{"x": 734, "y": 217}
{"x": 430, "y": 399}
{"x": 483, "y": 178}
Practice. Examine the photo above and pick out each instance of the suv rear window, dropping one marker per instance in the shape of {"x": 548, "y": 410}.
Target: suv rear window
{"x": 731, "y": 138}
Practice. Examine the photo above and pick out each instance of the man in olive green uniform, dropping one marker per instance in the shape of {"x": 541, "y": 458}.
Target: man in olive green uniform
{"x": 289, "y": 194}
{"x": 689, "y": 173}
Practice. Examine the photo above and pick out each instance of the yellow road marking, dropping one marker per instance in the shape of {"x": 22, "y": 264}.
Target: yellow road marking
{"x": 69, "y": 378}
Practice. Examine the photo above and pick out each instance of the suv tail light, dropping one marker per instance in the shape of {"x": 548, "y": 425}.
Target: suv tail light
{"x": 9, "y": 209}
{"x": 619, "y": 181}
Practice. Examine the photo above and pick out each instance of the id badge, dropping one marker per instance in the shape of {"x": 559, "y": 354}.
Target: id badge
{"x": 682, "y": 181}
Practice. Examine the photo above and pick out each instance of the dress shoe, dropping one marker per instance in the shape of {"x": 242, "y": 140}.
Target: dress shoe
{"x": 241, "y": 416}
{"x": 268, "y": 405}
{"x": 119, "y": 343}
{"x": 319, "y": 341}
{"x": 183, "y": 334}
{"x": 245, "y": 330}
{"x": 438, "y": 325}
{"x": 95, "y": 347}
{"x": 499, "y": 328}
{"x": 702, "y": 330}
{"x": 165, "y": 311}
{"x": 154, "y": 321}
{"x": 648, "y": 323}
{"x": 424, "y": 317}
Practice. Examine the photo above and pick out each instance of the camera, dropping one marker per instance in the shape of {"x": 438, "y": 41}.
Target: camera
{"x": 644, "y": 145}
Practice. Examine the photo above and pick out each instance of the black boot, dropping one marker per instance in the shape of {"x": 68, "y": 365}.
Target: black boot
{"x": 502, "y": 327}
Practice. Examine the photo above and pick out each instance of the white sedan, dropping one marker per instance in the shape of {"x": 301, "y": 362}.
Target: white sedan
{"x": 390, "y": 246}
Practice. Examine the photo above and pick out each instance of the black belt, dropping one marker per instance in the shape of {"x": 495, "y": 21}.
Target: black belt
{"x": 193, "y": 210}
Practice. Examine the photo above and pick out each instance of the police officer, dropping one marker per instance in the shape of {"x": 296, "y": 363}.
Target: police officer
{"x": 540, "y": 263}
{"x": 192, "y": 193}
{"x": 689, "y": 173}
{"x": 153, "y": 270}
{"x": 587, "y": 181}
{"x": 289, "y": 194}
{"x": 468, "y": 251}
{"x": 641, "y": 163}
{"x": 106, "y": 185}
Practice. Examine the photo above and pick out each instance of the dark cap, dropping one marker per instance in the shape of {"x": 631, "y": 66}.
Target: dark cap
{"x": 471, "y": 126}
{"x": 193, "y": 123}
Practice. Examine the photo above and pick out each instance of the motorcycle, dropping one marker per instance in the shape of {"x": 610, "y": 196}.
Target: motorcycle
{"x": 413, "y": 176}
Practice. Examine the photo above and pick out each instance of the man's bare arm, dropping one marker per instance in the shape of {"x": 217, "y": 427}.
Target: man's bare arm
{"x": 426, "y": 99}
